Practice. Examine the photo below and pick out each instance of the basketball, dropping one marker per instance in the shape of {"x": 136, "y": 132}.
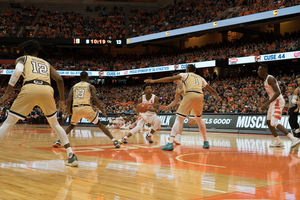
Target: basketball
{"x": 141, "y": 107}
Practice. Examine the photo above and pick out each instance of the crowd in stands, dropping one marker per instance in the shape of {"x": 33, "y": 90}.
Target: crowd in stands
{"x": 240, "y": 94}
{"x": 194, "y": 12}
{"x": 262, "y": 44}
{"x": 109, "y": 25}
{"x": 12, "y": 21}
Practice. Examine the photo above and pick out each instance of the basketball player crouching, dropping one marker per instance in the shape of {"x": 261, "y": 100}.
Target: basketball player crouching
{"x": 149, "y": 116}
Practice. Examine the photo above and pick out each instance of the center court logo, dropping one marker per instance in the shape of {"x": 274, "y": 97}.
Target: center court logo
{"x": 233, "y": 60}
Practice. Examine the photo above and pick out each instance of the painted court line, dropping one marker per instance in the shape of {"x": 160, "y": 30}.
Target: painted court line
{"x": 178, "y": 158}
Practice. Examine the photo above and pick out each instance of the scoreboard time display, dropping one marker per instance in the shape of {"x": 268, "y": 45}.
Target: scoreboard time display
{"x": 94, "y": 41}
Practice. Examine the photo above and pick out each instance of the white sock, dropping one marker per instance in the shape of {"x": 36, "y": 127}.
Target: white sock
{"x": 176, "y": 128}
{"x": 171, "y": 139}
{"x": 179, "y": 136}
{"x": 291, "y": 137}
{"x": 113, "y": 139}
{"x": 278, "y": 140}
{"x": 69, "y": 150}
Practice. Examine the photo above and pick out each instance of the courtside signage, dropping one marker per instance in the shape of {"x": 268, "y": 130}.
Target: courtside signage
{"x": 216, "y": 121}
{"x": 211, "y": 63}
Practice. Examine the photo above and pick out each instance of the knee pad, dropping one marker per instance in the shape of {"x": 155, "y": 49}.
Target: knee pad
{"x": 274, "y": 122}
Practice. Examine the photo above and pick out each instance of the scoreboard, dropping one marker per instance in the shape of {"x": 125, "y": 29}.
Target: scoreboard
{"x": 94, "y": 41}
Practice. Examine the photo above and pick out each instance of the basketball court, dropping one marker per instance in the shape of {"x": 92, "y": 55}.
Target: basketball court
{"x": 237, "y": 166}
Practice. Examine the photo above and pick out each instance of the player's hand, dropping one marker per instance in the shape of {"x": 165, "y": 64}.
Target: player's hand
{"x": 149, "y": 81}
{"x": 161, "y": 107}
{"x": 62, "y": 106}
{"x": 219, "y": 98}
{"x": 105, "y": 115}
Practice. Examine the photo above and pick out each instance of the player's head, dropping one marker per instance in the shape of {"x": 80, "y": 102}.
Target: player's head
{"x": 262, "y": 70}
{"x": 84, "y": 76}
{"x": 123, "y": 114}
{"x": 147, "y": 88}
{"x": 190, "y": 68}
{"x": 291, "y": 89}
{"x": 298, "y": 80}
{"x": 177, "y": 82}
{"x": 31, "y": 47}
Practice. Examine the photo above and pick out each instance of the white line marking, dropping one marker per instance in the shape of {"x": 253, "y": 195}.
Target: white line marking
{"x": 178, "y": 158}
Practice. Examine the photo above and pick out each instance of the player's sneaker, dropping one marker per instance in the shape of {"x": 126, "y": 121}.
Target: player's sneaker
{"x": 148, "y": 137}
{"x": 56, "y": 144}
{"x": 297, "y": 141}
{"x": 168, "y": 147}
{"x": 123, "y": 140}
{"x": 72, "y": 160}
{"x": 117, "y": 144}
{"x": 206, "y": 145}
{"x": 277, "y": 144}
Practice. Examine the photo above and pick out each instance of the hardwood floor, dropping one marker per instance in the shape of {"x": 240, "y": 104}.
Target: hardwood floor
{"x": 237, "y": 166}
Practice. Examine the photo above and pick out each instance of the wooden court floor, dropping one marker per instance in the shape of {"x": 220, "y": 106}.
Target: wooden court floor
{"x": 237, "y": 166}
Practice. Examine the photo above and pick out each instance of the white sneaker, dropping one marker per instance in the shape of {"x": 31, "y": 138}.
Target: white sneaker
{"x": 277, "y": 144}
{"x": 297, "y": 141}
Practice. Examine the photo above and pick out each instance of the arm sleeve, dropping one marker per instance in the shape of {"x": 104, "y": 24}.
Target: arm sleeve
{"x": 184, "y": 76}
{"x": 204, "y": 83}
{"x": 16, "y": 74}
{"x": 294, "y": 99}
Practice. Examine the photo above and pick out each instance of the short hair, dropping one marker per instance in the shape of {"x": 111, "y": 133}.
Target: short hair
{"x": 191, "y": 68}
{"x": 30, "y": 46}
{"x": 147, "y": 84}
{"x": 298, "y": 76}
{"x": 84, "y": 75}
{"x": 264, "y": 66}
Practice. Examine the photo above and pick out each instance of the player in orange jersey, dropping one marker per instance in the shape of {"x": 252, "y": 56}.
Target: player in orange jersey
{"x": 276, "y": 102}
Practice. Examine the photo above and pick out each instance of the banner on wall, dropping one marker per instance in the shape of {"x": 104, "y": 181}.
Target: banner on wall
{"x": 211, "y": 63}
{"x": 264, "y": 58}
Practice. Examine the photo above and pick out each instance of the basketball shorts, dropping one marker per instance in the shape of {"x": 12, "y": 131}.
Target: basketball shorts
{"x": 86, "y": 112}
{"x": 192, "y": 101}
{"x": 275, "y": 109}
{"x": 34, "y": 95}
